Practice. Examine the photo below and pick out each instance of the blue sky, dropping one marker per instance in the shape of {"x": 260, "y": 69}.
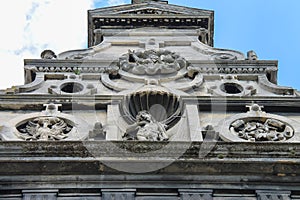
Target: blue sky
{"x": 269, "y": 27}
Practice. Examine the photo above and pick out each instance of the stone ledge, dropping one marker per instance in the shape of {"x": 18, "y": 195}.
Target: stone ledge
{"x": 36, "y": 158}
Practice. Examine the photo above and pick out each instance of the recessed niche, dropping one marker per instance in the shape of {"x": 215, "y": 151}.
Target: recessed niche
{"x": 72, "y": 87}
{"x": 231, "y": 88}
{"x": 163, "y": 106}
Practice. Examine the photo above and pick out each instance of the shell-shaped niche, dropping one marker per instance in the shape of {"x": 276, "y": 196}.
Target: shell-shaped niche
{"x": 163, "y": 106}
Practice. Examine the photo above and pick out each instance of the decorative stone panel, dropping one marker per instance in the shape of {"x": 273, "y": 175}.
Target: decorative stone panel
{"x": 256, "y": 125}
{"x": 48, "y": 125}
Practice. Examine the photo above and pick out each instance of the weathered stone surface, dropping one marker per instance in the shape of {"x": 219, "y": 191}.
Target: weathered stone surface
{"x": 151, "y": 110}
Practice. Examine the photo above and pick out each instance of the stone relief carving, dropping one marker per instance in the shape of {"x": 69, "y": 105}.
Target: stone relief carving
{"x": 146, "y": 128}
{"x": 47, "y": 125}
{"x": 44, "y": 129}
{"x": 152, "y": 62}
{"x": 262, "y": 130}
{"x": 257, "y": 125}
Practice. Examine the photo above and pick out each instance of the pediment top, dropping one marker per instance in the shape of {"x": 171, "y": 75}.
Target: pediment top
{"x": 148, "y": 7}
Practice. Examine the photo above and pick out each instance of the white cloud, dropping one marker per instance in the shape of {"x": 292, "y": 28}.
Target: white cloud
{"x": 30, "y": 26}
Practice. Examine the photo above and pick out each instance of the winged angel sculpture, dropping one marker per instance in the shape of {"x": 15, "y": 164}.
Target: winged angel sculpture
{"x": 45, "y": 129}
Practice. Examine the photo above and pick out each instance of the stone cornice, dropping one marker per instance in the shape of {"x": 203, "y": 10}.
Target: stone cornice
{"x": 233, "y": 158}
{"x": 100, "y": 66}
{"x": 36, "y": 101}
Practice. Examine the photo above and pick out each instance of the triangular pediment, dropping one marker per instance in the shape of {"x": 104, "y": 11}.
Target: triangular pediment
{"x": 150, "y": 8}
{"x": 148, "y": 14}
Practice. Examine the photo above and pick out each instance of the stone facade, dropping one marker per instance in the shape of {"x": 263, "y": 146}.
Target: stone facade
{"x": 151, "y": 110}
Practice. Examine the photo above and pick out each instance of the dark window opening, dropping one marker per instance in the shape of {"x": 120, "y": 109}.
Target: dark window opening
{"x": 231, "y": 88}
{"x": 72, "y": 87}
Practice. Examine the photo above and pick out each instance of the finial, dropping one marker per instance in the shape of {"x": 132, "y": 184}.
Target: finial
{"x": 255, "y": 108}
{"x": 251, "y": 55}
{"x": 51, "y": 108}
{"x": 48, "y": 54}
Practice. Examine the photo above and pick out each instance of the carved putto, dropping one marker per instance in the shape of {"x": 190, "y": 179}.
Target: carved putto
{"x": 48, "y": 128}
{"x": 146, "y": 128}
{"x": 152, "y": 62}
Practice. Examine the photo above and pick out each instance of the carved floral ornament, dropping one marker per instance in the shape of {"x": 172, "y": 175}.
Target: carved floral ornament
{"x": 48, "y": 125}
{"x": 152, "y": 62}
{"x": 257, "y": 126}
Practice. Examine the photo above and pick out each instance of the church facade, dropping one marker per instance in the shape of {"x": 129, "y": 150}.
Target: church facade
{"x": 150, "y": 110}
